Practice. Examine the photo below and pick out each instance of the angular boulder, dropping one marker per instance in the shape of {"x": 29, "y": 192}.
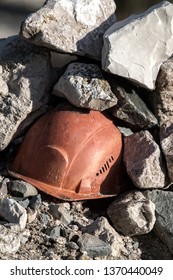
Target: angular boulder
{"x": 136, "y": 47}
{"x": 25, "y": 82}
{"x": 132, "y": 214}
{"x": 84, "y": 86}
{"x": 166, "y": 140}
{"x": 162, "y": 99}
{"x": 71, "y": 26}
{"x": 143, "y": 161}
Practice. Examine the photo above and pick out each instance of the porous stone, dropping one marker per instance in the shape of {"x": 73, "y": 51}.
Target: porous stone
{"x": 83, "y": 85}
{"x": 143, "y": 161}
{"x": 12, "y": 212}
{"x": 132, "y": 213}
{"x": 94, "y": 246}
{"x": 163, "y": 227}
{"x": 71, "y": 26}
{"x": 136, "y": 47}
{"x": 9, "y": 241}
{"x": 166, "y": 140}
{"x": 21, "y": 188}
{"x": 26, "y": 77}
{"x": 161, "y": 98}
{"x": 130, "y": 108}
{"x": 104, "y": 231}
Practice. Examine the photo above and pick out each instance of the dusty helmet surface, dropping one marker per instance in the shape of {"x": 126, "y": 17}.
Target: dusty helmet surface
{"x": 71, "y": 154}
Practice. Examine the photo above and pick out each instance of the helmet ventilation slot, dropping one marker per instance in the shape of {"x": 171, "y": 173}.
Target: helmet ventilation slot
{"x": 106, "y": 166}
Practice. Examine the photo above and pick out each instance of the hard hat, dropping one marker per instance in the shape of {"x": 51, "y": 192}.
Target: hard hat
{"x": 71, "y": 154}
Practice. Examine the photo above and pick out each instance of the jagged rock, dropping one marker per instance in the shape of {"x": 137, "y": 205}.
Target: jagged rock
{"x": 61, "y": 213}
{"x": 23, "y": 202}
{"x": 21, "y": 188}
{"x": 31, "y": 215}
{"x": 26, "y": 77}
{"x": 162, "y": 99}
{"x": 3, "y": 188}
{"x": 163, "y": 227}
{"x": 166, "y": 140}
{"x": 94, "y": 246}
{"x": 35, "y": 202}
{"x": 136, "y": 47}
{"x": 143, "y": 161}
{"x": 83, "y": 85}
{"x": 104, "y": 231}
{"x": 53, "y": 232}
{"x": 130, "y": 108}
{"x": 9, "y": 241}
{"x": 12, "y": 212}
{"x": 132, "y": 214}
{"x": 71, "y": 26}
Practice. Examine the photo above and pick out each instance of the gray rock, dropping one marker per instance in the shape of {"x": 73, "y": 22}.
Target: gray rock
{"x": 83, "y": 85}
{"x": 104, "y": 231}
{"x": 53, "y": 232}
{"x": 71, "y": 26}
{"x": 125, "y": 131}
{"x": 163, "y": 201}
{"x": 9, "y": 241}
{"x": 136, "y": 47}
{"x": 21, "y": 188}
{"x": 12, "y": 212}
{"x": 94, "y": 246}
{"x": 23, "y": 202}
{"x": 35, "y": 202}
{"x": 3, "y": 188}
{"x": 61, "y": 213}
{"x": 26, "y": 77}
{"x": 130, "y": 108}
{"x": 132, "y": 214}
{"x": 44, "y": 218}
{"x": 143, "y": 161}
{"x": 166, "y": 140}
{"x": 162, "y": 99}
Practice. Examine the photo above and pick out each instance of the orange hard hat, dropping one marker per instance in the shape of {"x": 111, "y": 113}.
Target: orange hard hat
{"x": 71, "y": 154}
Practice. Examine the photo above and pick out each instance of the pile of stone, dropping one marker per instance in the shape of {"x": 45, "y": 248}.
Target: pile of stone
{"x": 124, "y": 68}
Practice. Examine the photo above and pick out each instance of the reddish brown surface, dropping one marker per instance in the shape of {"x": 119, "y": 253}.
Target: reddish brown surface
{"x": 72, "y": 154}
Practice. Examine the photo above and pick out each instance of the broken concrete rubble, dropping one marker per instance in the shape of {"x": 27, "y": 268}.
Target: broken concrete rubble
{"x": 26, "y": 77}
{"x": 136, "y": 47}
{"x": 71, "y": 26}
{"x": 84, "y": 86}
{"x": 132, "y": 214}
{"x": 143, "y": 161}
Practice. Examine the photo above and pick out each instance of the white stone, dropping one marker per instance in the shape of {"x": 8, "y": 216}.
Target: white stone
{"x": 71, "y": 26}
{"x": 143, "y": 161}
{"x": 136, "y": 47}
{"x": 9, "y": 241}
{"x": 84, "y": 86}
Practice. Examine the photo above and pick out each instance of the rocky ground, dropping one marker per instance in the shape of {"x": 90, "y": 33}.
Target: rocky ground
{"x": 137, "y": 224}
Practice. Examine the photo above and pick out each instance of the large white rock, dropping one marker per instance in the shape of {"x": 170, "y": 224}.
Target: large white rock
{"x": 136, "y": 47}
{"x": 71, "y": 26}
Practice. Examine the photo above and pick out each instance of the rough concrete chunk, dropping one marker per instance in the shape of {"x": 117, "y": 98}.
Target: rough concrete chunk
{"x": 83, "y": 85}
{"x": 25, "y": 81}
{"x": 12, "y": 212}
{"x": 102, "y": 229}
{"x": 162, "y": 98}
{"x": 71, "y": 26}
{"x": 130, "y": 108}
{"x": 166, "y": 140}
{"x": 143, "y": 160}
{"x": 136, "y": 47}
{"x": 132, "y": 214}
{"x": 9, "y": 241}
{"x": 163, "y": 227}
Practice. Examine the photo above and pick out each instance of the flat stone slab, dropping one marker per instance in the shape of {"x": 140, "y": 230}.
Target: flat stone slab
{"x": 71, "y": 26}
{"x": 84, "y": 86}
{"x": 136, "y": 47}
